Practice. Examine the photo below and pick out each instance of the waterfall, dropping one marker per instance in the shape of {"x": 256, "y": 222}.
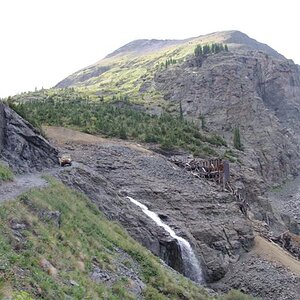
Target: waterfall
{"x": 191, "y": 264}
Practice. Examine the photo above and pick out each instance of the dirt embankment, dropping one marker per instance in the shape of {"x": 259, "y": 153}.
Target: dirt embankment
{"x": 274, "y": 253}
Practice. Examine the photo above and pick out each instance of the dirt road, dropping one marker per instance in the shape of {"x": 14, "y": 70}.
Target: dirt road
{"x": 21, "y": 184}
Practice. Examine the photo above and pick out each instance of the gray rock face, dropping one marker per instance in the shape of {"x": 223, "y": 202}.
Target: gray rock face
{"x": 245, "y": 89}
{"x": 21, "y": 145}
{"x": 210, "y": 220}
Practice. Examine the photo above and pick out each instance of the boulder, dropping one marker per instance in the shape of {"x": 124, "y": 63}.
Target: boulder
{"x": 21, "y": 145}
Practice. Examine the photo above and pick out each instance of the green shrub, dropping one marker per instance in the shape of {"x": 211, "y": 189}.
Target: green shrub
{"x": 236, "y": 295}
{"x": 21, "y": 295}
{"x": 5, "y": 173}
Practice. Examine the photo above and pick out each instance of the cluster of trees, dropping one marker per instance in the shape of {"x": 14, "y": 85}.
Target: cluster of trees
{"x": 125, "y": 123}
{"x": 168, "y": 62}
{"x": 208, "y": 49}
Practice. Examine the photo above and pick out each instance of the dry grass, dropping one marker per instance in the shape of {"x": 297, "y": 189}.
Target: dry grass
{"x": 62, "y": 136}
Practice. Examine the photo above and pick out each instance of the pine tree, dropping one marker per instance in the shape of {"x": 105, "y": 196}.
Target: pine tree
{"x": 198, "y": 51}
{"x": 206, "y": 49}
{"x": 214, "y": 48}
{"x": 180, "y": 111}
{"x": 202, "y": 122}
{"x": 237, "y": 139}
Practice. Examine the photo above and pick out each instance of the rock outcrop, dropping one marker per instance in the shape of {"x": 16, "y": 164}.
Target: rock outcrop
{"x": 249, "y": 90}
{"x": 21, "y": 145}
{"x": 209, "y": 219}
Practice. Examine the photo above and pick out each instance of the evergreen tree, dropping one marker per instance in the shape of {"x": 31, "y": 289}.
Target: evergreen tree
{"x": 213, "y": 48}
{"x": 237, "y": 139}
{"x": 226, "y": 48}
{"x": 198, "y": 51}
{"x": 202, "y": 122}
{"x": 180, "y": 110}
{"x": 206, "y": 49}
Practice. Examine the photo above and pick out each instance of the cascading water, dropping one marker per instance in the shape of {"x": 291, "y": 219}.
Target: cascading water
{"x": 191, "y": 265}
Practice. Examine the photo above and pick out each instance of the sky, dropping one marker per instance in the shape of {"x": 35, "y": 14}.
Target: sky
{"x": 44, "y": 41}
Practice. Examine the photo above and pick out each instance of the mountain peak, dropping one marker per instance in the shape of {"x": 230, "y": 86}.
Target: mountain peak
{"x": 142, "y": 46}
{"x": 243, "y": 41}
{"x": 162, "y": 50}
{"x": 235, "y": 38}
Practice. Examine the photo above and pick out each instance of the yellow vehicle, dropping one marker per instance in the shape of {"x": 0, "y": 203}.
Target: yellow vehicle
{"x": 65, "y": 160}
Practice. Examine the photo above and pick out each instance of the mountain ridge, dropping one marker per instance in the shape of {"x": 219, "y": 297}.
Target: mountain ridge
{"x": 165, "y": 48}
{"x": 228, "y": 36}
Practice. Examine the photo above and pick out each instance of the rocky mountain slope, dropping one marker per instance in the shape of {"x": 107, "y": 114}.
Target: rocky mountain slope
{"x": 249, "y": 90}
{"x": 129, "y": 66}
{"x": 21, "y": 145}
{"x": 56, "y": 244}
{"x": 252, "y": 87}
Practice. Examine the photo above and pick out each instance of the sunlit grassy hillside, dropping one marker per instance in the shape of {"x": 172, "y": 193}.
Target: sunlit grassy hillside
{"x": 53, "y": 241}
{"x": 129, "y": 70}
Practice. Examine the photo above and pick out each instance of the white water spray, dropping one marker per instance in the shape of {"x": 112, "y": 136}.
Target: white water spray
{"x": 191, "y": 265}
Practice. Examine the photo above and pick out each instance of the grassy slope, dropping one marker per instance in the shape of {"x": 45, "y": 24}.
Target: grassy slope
{"x": 128, "y": 71}
{"x": 84, "y": 233}
{"x": 83, "y": 236}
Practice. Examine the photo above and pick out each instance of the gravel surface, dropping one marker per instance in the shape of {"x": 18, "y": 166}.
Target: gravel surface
{"x": 21, "y": 184}
{"x": 286, "y": 199}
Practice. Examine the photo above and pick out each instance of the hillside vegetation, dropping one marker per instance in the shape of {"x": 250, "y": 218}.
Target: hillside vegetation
{"x": 131, "y": 69}
{"x": 52, "y": 241}
{"x": 5, "y": 173}
{"x": 73, "y": 109}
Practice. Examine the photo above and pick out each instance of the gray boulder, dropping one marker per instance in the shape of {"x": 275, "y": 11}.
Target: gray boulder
{"x": 21, "y": 145}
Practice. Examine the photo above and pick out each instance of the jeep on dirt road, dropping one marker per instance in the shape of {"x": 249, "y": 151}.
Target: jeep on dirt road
{"x": 65, "y": 160}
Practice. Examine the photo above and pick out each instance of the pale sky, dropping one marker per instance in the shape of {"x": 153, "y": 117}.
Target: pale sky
{"x": 43, "y": 41}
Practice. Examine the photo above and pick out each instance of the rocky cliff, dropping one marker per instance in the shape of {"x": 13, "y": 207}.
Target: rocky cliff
{"x": 21, "y": 146}
{"x": 196, "y": 209}
{"x": 249, "y": 90}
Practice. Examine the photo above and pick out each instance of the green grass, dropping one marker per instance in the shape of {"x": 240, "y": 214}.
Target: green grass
{"x": 127, "y": 72}
{"x": 5, "y": 173}
{"x": 83, "y": 236}
{"x": 236, "y": 295}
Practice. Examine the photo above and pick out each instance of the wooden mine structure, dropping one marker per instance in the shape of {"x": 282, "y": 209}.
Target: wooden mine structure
{"x": 215, "y": 169}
